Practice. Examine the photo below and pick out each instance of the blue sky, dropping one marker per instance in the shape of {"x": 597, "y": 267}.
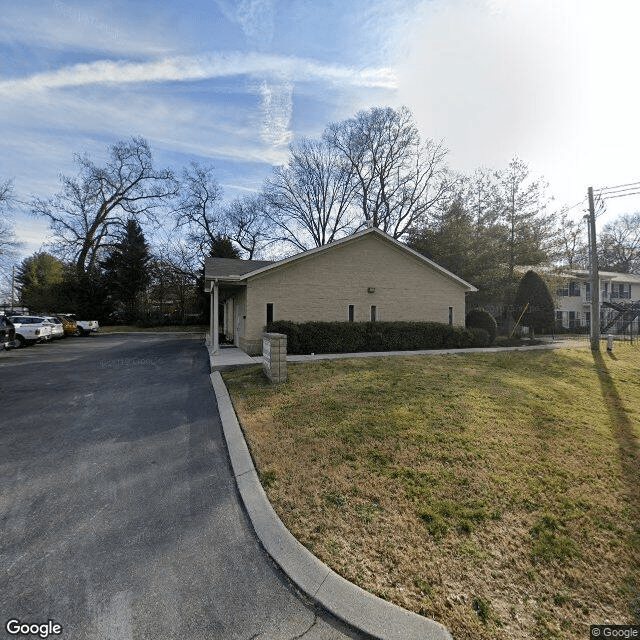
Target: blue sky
{"x": 233, "y": 82}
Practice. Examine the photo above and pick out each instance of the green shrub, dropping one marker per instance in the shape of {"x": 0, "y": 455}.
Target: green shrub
{"x": 481, "y": 319}
{"x": 353, "y": 337}
{"x": 481, "y": 337}
{"x": 291, "y": 331}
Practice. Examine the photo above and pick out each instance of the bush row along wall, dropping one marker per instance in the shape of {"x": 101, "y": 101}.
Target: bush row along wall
{"x": 353, "y": 337}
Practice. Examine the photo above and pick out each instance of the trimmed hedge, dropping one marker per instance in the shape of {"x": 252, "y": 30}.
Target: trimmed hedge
{"x": 353, "y": 337}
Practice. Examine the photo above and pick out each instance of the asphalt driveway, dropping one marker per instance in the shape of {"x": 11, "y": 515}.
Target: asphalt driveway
{"x": 119, "y": 516}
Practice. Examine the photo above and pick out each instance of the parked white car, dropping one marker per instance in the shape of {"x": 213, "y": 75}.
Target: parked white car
{"x": 85, "y": 327}
{"x": 31, "y": 329}
{"x": 57, "y": 330}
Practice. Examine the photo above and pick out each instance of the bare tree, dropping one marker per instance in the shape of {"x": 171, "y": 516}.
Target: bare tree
{"x": 572, "y": 250}
{"x": 479, "y": 192}
{"x": 247, "y": 224}
{"x": 8, "y": 243}
{"x": 620, "y": 244}
{"x": 522, "y": 204}
{"x": 309, "y": 198}
{"x": 174, "y": 281}
{"x": 398, "y": 178}
{"x": 95, "y": 204}
{"x": 199, "y": 208}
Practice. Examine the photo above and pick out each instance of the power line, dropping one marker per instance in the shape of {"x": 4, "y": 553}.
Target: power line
{"x": 577, "y": 204}
{"x": 622, "y": 192}
{"x": 620, "y": 186}
{"x": 622, "y": 195}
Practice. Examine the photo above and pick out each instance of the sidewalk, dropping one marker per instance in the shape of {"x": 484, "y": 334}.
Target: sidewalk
{"x": 229, "y": 358}
{"x": 232, "y": 357}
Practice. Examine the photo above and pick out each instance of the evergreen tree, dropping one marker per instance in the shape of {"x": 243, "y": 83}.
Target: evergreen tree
{"x": 125, "y": 271}
{"x": 535, "y": 300}
{"x": 222, "y": 247}
{"x": 38, "y": 278}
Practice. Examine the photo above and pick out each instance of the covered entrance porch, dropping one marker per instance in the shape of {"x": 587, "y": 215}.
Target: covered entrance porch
{"x": 227, "y": 316}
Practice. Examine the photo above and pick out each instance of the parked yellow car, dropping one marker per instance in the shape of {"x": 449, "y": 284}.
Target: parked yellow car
{"x": 70, "y": 327}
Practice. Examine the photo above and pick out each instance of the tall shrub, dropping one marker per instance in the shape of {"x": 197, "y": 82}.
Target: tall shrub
{"x": 481, "y": 319}
{"x": 534, "y": 302}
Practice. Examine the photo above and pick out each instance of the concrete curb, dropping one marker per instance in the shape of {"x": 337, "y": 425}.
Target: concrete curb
{"x": 351, "y": 604}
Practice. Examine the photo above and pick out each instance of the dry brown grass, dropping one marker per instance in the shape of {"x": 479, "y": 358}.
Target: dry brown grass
{"x": 495, "y": 493}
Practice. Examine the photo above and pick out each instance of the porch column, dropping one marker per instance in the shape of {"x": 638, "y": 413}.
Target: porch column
{"x": 213, "y": 327}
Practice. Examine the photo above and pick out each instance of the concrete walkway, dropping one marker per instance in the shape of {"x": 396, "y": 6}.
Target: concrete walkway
{"x": 232, "y": 357}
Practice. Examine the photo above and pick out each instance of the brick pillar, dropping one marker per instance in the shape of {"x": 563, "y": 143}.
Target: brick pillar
{"x": 274, "y": 354}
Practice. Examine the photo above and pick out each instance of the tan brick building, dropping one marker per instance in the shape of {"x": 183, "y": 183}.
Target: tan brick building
{"x": 365, "y": 276}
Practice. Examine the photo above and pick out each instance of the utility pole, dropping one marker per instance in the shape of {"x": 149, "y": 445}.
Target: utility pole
{"x": 595, "y": 280}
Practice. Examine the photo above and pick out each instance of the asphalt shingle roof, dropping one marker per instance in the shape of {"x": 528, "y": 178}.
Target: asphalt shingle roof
{"x": 222, "y": 267}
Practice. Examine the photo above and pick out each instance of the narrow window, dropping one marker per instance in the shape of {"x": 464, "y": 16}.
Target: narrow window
{"x": 450, "y": 315}
{"x": 374, "y": 313}
{"x": 352, "y": 313}
{"x": 269, "y": 312}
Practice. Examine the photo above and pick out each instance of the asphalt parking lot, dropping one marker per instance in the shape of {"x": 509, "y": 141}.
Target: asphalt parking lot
{"x": 119, "y": 515}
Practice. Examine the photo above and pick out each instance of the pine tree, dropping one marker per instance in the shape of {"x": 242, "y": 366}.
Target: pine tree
{"x": 222, "y": 247}
{"x": 125, "y": 271}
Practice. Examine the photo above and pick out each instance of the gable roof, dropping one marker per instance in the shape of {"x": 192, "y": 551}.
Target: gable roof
{"x": 564, "y": 272}
{"x": 224, "y": 267}
{"x": 614, "y": 276}
{"x": 267, "y": 266}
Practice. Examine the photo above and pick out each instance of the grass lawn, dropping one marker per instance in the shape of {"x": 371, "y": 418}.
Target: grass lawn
{"x": 181, "y": 329}
{"x": 496, "y": 493}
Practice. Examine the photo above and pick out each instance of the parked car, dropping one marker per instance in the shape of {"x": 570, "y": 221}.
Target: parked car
{"x": 84, "y": 327}
{"x": 31, "y": 329}
{"x": 57, "y": 330}
{"x": 7, "y": 333}
{"x": 69, "y": 326}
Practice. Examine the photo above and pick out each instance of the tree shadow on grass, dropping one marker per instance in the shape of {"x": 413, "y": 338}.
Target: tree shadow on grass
{"x": 629, "y": 452}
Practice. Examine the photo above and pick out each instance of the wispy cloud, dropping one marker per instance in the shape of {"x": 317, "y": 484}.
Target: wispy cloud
{"x": 209, "y": 66}
{"x": 256, "y": 19}
{"x": 276, "y": 106}
{"x": 64, "y": 25}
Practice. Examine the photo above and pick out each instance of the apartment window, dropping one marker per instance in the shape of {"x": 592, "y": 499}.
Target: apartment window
{"x": 587, "y": 318}
{"x": 374, "y": 313}
{"x": 450, "y": 315}
{"x": 574, "y": 288}
{"x": 559, "y": 317}
{"x": 587, "y": 287}
{"x": 563, "y": 291}
{"x": 620, "y": 291}
{"x": 269, "y": 312}
{"x": 352, "y": 313}
{"x": 572, "y": 319}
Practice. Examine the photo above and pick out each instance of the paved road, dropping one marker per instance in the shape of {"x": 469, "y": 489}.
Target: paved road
{"x": 119, "y": 517}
